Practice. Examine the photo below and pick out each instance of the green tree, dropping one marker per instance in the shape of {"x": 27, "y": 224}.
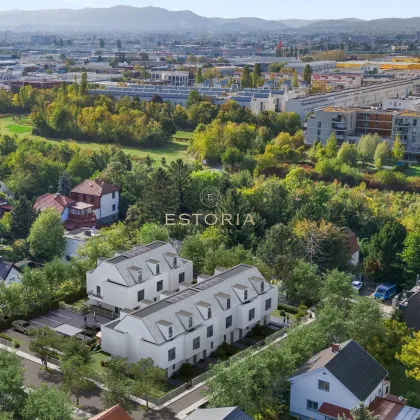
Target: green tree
{"x": 199, "y": 76}
{"x": 304, "y": 284}
{"x": 382, "y": 154}
{"x": 246, "y": 79}
{"x": 331, "y": 146}
{"x": 256, "y": 74}
{"x": 22, "y": 218}
{"x": 367, "y": 146}
{"x": 337, "y": 290}
{"x": 75, "y": 373}
{"x": 193, "y": 248}
{"x": 46, "y": 238}
{"x": 193, "y": 98}
{"x": 47, "y": 403}
{"x": 295, "y": 79}
{"x": 12, "y": 394}
{"x": 398, "y": 149}
{"x": 410, "y": 356}
{"x": 84, "y": 84}
{"x": 118, "y": 385}
{"x": 150, "y": 232}
{"x": 256, "y": 385}
{"x": 347, "y": 154}
{"x": 160, "y": 197}
{"x": 43, "y": 340}
{"x": 411, "y": 252}
{"x": 147, "y": 376}
{"x": 64, "y": 186}
{"x": 307, "y": 74}
{"x": 383, "y": 261}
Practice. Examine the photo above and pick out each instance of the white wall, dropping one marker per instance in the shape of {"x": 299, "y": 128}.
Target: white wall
{"x": 305, "y": 388}
{"x": 106, "y": 206}
{"x": 14, "y": 276}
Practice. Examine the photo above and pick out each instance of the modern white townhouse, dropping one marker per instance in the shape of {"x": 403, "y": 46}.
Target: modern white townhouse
{"x": 141, "y": 276}
{"x": 187, "y": 326}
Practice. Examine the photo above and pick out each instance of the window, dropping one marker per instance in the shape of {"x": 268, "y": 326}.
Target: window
{"x": 251, "y": 314}
{"x": 181, "y": 277}
{"x": 262, "y": 287}
{"x": 92, "y": 198}
{"x": 325, "y": 386}
{"x": 84, "y": 197}
{"x": 140, "y": 295}
{"x": 113, "y": 194}
{"x": 246, "y": 295}
{"x": 196, "y": 343}
{"x": 157, "y": 269}
{"x": 210, "y": 331}
{"x": 229, "y": 321}
{"x": 175, "y": 261}
{"x": 311, "y": 405}
{"x": 159, "y": 285}
{"x": 98, "y": 290}
{"x": 209, "y": 313}
{"x": 228, "y": 303}
{"x": 113, "y": 207}
{"x": 268, "y": 304}
{"x": 211, "y": 345}
{"x": 190, "y": 322}
{"x": 170, "y": 332}
{"x": 171, "y": 354}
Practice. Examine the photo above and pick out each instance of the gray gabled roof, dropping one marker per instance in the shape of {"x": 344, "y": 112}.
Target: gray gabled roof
{"x": 352, "y": 365}
{"x": 225, "y": 413}
{"x": 5, "y": 268}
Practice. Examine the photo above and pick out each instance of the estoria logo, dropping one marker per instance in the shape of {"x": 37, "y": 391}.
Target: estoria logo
{"x": 210, "y": 197}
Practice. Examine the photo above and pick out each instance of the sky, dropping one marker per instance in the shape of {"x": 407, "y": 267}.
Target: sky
{"x": 267, "y": 9}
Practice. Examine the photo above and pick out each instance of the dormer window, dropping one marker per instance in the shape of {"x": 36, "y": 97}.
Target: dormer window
{"x": 175, "y": 261}
{"x": 170, "y": 332}
{"x": 246, "y": 295}
{"x": 157, "y": 269}
{"x": 228, "y": 303}
{"x": 209, "y": 313}
{"x": 190, "y": 322}
{"x": 139, "y": 276}
{"x": 262, "y": 287}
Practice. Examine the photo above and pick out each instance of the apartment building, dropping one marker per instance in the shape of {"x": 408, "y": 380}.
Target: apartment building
{"x": 410, "y": 103}
{"x": 134, "y": 279}
{"x": 339, "y": 80}
{"x": 349, "y": 124}
{"x": 174, "y": 78}
{"x": 187, "y": 326}
{"x": 355, "y": 97}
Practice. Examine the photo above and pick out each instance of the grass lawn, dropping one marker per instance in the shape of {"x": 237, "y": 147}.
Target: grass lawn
{"x": 97, "y": 358}
{"x": 276, "y": 312}
{"x": 173, "y": 150}
{"x": 187, "y": 135}
{"x": 400, "y": 384}
{"x": 413, "y": 170}
{"x": 79, "y": 304}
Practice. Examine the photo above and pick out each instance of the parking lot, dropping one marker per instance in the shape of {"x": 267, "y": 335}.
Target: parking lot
{"x": 57, "y": 317}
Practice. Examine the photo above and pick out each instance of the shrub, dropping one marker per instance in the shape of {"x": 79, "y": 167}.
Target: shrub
{"x": 5, "y": 337}
{"x": 258, "y": 330}
{"x": 187, "y": 369}
{"x": 282, "y": 312}
{"x": 288, "y": 308}
{"x": 104, "y": 363}
{"x": 220, "y": 351}
{"x": 391, "y": 179}
{"x": 303, "y": 307}
{"x": 16, "y": 343}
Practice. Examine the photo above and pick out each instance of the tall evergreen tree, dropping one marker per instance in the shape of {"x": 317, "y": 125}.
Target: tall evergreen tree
{"x": 84, "y": 84}
{"x": 256, "y": 74}
{"x": 161, "y": 197}
{"x": 22, "y": 217}
{"x": 295, "y": 79}
{"x": 64, "y": 186}
{"x": 199, "y": 76}
{"x": 307, "y": 73}
{"x": 246, "y": 80}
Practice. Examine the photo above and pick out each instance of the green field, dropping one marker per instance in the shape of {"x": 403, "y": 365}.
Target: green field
{"x": 177, "y": 149}
{"x": 187, "y": 135}
{"x": 413, "y": 170}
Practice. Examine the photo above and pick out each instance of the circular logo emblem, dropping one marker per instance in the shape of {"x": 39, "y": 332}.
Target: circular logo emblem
{"x": 210, "y": 197}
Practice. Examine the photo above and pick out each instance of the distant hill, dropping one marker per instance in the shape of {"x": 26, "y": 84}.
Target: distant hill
{"x": 156, "y": 19}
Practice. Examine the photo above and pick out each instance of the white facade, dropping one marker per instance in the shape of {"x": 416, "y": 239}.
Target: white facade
{"x": 129, "y": 279}
{"x": 188, "y": 326}
{"x": 409, "y": 104}
{"x": 76, "y": 240}
{"x": 109, "y": 207}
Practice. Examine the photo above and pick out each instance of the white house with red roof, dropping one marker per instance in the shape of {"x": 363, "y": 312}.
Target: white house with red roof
{"x": 74, "y": 214}
{"x": 104, "y": 198}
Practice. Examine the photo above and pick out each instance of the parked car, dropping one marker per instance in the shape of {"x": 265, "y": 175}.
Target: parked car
{"x": 385, "y": 291}
{"x": 22, "y": 326}
{"x": 357, "y": 285}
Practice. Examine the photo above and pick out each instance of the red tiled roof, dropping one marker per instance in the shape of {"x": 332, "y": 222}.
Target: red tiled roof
{"x": 96, "y": 187}
{"x": 113, "y": 413}
{"x": 386, "y": 408}
{"x": 331, "y": 410}
{"x": 73, "y": 224}
{"x": 6, "y": 206}
{"x": 55, "y": 201}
